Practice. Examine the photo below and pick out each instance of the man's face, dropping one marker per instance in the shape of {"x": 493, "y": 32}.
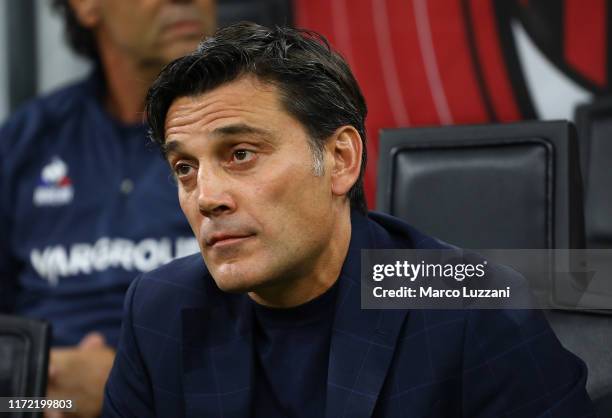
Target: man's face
{"x": 155, "y": 31}
{"x": 247, "y": 186}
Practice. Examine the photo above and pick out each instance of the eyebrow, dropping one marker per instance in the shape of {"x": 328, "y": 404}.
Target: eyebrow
{"x": 240, "y": 129}
{"x": 173, "y": 146}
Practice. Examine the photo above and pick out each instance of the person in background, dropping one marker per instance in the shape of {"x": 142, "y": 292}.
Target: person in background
{"x": 85, "y": 203}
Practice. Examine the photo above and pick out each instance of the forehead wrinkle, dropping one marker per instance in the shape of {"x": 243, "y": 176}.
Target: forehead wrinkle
{"x": 195, "y": 123}
{"x": 185, "y": 113}
{"x": 195, "y": 113}
{"x": 185, "y": 118}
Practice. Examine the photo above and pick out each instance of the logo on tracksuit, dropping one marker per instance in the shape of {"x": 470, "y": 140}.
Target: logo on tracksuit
{"x": 54, "y": 186}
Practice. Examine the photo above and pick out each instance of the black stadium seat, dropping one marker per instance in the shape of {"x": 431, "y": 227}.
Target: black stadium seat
{"x": 594, "y": 122}
{"x": 487, "y": 186}
{"x": 513, "y": 186}
{"x": 24, "y": 352}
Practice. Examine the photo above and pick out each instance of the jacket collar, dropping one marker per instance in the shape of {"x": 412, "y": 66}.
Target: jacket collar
{"x": 363, "y": 340}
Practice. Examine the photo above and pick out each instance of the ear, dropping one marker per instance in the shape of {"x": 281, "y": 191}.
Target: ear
{"x": 345, "y": 147}
{"x": 86, "y": 11}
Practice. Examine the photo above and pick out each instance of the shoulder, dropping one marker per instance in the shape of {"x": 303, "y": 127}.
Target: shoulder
{"x": 515, "y": 356}
{"x": 402, "y": 234}
{"x": 148, "y": 360}
{"x": 495, "y": 334}
{"x": 156, "y": 299}
{"x": 186, "y": 276}
{"x": 486, "y": 333}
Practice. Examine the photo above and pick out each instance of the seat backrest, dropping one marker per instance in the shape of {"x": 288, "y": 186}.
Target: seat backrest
{"x": 594, "y": 122}
{"x": 24, "y": 352}
{"x": 589, "y": 336}
{"x": 514, "y": 186}
{"x": 487, "y": 186}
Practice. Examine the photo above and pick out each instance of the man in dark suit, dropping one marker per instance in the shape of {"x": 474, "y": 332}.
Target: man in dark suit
{"x": 264, "y": 131}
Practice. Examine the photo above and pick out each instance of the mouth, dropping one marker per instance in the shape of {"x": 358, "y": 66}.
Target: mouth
{"x": 225, "y": 240}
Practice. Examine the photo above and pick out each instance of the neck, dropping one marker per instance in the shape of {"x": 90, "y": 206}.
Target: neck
{"x": 127, "y": 82}
{"x": 323, "y": 272}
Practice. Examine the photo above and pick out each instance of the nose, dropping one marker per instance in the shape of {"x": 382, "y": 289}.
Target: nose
{"x": 214, "y": 198}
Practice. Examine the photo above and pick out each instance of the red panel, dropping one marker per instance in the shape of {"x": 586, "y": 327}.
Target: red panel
{"x": 302, "y": 14}
{"x": 412, "y": 77}
{"x": 315, "y": 15}
{"x": 585, "y": 38}
{"x": 492, "y": 62}
{"x": 341, "y": 26}
{"x": 454, "y": 63}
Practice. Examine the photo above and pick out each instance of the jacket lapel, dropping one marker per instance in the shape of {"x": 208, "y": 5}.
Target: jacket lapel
{"x": 363, "y": 341}
{"x": 217, "y": 358}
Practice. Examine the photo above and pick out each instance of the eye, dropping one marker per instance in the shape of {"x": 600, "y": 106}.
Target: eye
{"x": 242, "y": 155}
{"x": 182, "y": 169}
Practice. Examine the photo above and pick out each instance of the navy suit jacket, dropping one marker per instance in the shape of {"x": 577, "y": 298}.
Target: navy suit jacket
{"x": 186, "y": 350}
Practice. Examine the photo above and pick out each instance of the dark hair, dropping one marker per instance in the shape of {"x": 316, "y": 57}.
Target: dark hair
{"x": 315, "y": 83}
{"x": 79, "y": 37}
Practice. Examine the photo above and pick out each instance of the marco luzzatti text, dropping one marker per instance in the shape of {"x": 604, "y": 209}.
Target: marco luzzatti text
{"x": 419, "y": 273}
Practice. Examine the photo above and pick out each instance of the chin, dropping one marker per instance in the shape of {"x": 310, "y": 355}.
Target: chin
{"x": 230, "y": 286}
{"x": 235, "y": 282}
